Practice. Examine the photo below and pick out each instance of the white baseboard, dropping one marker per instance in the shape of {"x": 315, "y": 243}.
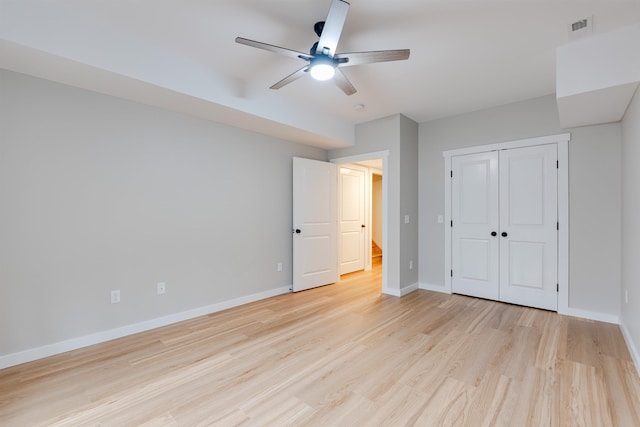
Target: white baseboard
{"x": 434, "y": 288}
{"x": 87, "y": 340}
{"x": 408, "y": 289}
{"x": 591, "y": 315}
{"x": 401, "y": 292}
{"x": 633, "y": 349}
{"x": 392, "y": 292}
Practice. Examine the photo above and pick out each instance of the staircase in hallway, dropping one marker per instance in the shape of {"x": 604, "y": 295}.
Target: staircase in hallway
{"x": 375, "y": 250}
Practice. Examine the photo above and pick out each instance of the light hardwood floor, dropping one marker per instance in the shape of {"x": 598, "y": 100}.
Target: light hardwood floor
{"x": 341, "y": 355}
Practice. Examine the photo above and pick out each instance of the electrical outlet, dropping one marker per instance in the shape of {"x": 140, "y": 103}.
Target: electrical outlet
{"x": 407, "y": 219}
{"x": 279, "y": 266}
{"x": 440, "y": 219}
{"x": 161, "y": 288}
{"x": 115, "y": 297}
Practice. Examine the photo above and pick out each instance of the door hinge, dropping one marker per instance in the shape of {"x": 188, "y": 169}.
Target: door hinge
{"x": 451, "y": 174}
{"x": 452, "y": 223}
{"x": 451, "y": 273}
{"x": 557, "y": 225}
{"x": 557, "y": 287}
{"x": 557, "y": 164}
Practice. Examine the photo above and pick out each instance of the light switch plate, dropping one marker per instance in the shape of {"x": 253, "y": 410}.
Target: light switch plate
{"x": 115, "y": 297}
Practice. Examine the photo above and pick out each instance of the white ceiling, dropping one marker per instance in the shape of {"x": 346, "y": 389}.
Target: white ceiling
{"x": 466, "y": 55}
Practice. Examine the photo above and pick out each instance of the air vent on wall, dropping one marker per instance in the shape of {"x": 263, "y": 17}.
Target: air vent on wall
{"x": 578, "y": 25}
{"x": 580, "y": 28}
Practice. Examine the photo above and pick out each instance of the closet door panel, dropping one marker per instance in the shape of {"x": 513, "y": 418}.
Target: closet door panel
{"x": 475, "y": 216}
{"x": 528, "y": 226}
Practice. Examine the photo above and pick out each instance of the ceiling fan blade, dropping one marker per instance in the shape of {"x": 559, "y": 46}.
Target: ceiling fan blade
{"x": 358, "y": 58}
{"x": 291, "y": 77}
{"x": 271, "y": 48}
{"x": 343, "y": 83}
{"x": 333, "y": 28}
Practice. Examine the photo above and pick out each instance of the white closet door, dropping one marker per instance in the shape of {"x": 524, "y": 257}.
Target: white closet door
{"x": 475, "y": 217}
{"x": 528, "y": 226}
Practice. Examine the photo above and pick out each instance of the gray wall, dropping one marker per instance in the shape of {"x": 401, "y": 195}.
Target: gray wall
{"x": 594, "y": 187}
{"x": 398, "y": 135}
{"x": 631, "y": 222}
{"x": 409, "y": 201}
{"x": 98, "y": 193}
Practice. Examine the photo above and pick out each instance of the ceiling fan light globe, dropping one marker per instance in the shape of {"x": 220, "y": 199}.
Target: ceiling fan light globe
{"x": 322, "y": 72}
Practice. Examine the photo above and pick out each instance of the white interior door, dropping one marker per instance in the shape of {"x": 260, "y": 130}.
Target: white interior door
{"x": 314, "y": 224}
{"x": 528, "y": 226}
{"x": 352, "y": 218}
{"x": 474, "y": 213}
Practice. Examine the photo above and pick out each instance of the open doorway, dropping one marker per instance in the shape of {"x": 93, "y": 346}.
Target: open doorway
{"x": 362, "y": 215}
{"x": 376, "y": 217}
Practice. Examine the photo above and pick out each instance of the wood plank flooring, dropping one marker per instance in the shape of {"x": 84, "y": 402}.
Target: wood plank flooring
{"x": 340, "y": 355}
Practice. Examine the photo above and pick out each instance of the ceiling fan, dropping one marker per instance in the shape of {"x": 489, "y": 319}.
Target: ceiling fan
{"x": 323, "y": 62}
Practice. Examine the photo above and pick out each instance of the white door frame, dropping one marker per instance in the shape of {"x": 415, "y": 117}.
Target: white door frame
{"x": 384, "y": 155}
{"x": 562, "y": 141}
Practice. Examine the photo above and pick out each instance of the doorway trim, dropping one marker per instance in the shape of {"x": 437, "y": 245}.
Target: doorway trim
{"x": 562, "y": 142}
{"x": 384, "y": 155}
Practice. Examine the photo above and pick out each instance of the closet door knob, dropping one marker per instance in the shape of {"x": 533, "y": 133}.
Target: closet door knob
{"x": 494, "y": 234}
{"x": 504, "y": 234}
